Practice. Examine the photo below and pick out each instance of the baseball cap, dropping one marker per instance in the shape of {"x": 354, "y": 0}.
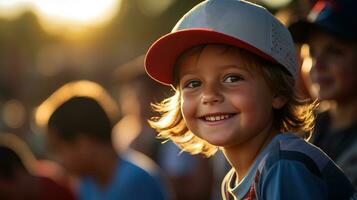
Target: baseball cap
{"x": 232, "y": 22}
{"x": 337, "y": 17}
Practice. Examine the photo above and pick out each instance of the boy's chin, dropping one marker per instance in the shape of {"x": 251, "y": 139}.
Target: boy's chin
{"x": 219, "y": 142}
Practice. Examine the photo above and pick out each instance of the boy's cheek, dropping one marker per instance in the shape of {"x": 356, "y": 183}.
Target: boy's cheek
{"x": 187, "y": 110}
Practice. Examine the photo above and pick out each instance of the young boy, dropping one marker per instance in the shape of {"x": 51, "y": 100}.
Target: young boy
{"x": 331, "y": 33}
{"x": 79, "y": 127}
{"x": 233, "y": 67}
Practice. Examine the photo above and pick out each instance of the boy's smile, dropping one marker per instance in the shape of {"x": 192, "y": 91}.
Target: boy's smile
{"x": 222, "y": 101}
{"x": 216, "y": 117}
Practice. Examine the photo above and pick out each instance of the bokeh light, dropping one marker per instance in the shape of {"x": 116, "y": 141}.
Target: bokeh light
{"x": 154, "y": 8}
{"x": 14, "y": 113}
{"x": 64, "y": 15}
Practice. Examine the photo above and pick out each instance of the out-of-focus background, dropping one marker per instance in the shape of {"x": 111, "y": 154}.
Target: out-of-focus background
{"x": 47, "y": 43}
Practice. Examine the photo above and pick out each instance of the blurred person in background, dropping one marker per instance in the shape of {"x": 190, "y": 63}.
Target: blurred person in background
{"x": 79, "y": 127}
{"x": 190, "y": 177}
{"x": 18, "y": 177}
{"x": 330, "y": 30}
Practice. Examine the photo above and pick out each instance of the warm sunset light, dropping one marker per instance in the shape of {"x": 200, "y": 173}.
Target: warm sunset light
{"x": 64, "y": 13}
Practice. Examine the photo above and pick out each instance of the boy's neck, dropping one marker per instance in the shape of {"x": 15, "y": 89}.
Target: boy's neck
{"x": 242, "y": 156}
{"x": 104, "y": 165}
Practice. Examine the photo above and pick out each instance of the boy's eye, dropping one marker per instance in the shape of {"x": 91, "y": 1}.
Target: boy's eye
{"x": 192, "y": 84}
{"x": 232, "y": 78}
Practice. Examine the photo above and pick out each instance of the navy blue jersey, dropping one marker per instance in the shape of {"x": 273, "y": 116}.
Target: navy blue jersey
{"x": 290, "y": 168}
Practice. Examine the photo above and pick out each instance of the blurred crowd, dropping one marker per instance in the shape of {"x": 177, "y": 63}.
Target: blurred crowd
{"x": 79, "y": 130}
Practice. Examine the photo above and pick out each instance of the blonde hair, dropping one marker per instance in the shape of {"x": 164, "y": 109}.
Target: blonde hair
{"x": 295, "y": 116}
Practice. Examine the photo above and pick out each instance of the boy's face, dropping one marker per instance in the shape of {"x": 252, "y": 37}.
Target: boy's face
{"x": 72, "y": 155}
{"x": 335, "y": 66}
{"x": 221, "y": 101}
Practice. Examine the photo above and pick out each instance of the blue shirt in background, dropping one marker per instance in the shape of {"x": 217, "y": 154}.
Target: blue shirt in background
{"x": 130, "y": 182}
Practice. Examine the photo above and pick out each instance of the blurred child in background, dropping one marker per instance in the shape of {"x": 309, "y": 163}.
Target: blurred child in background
{"x": 79, "y": 134}
{"x": 331, "y": 33}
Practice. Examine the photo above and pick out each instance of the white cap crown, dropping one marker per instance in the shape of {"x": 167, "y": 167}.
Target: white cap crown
{"x": 246, "y": 22}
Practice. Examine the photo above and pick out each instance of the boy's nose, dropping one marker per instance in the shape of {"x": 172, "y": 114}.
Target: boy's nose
{"x": 211, "y": 94}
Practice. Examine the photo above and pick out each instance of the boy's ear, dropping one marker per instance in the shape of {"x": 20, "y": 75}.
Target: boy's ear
{"x": 279, "y": 101}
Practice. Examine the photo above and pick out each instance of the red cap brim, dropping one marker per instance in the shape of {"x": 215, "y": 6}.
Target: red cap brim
{"x": 162, "y": 55}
